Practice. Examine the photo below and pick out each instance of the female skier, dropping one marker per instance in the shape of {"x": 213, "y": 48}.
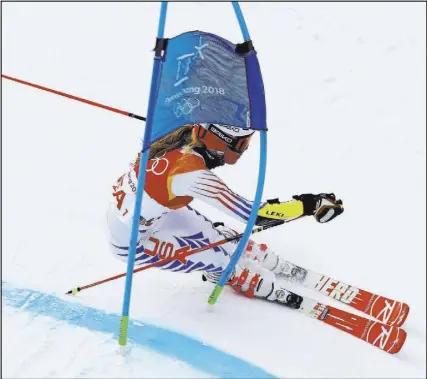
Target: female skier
{"x": 180, "y": 169}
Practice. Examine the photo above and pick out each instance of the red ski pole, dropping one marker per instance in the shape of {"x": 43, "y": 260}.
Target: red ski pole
{"x": 108, "y": 108}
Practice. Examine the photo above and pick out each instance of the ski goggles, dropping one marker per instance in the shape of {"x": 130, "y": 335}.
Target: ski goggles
{"x": 218, "y": 139}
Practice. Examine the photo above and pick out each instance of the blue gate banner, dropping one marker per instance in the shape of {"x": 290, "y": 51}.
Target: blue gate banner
{"x": 204, "y": 79}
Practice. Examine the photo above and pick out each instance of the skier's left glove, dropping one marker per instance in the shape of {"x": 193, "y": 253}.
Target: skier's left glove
{"x": 324, "y": 206}
{"x": 273, "y": 212}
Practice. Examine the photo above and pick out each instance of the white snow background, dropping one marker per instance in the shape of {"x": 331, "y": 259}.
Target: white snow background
{"x": 346, "y": 92}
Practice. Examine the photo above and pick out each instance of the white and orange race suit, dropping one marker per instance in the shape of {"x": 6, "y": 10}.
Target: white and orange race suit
{"x": 168, "y": 222}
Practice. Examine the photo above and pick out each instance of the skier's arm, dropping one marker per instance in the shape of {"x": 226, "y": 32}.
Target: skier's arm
{"x": 206, "y": 186}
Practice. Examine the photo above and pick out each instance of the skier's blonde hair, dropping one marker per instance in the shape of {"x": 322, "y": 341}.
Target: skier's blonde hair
{"x": 174, "y": 140}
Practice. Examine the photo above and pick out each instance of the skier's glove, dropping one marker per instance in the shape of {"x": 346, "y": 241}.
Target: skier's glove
{"x": 213, "y": 277}
{"x": 273, "y": 211}
{"x": 324, "y": 206}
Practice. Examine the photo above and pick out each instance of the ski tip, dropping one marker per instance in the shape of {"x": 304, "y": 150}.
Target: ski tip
{"x": 403, "y": 315}
{"x": 398, "y": 342}
{"x": 387, "y": 338}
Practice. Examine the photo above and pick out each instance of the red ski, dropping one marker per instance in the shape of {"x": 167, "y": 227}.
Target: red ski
{"x": 385, "y": 337}
{"x": 385, "y": 310}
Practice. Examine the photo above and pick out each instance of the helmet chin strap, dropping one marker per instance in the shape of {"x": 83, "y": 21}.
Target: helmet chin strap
{"x": 213, "y": 158}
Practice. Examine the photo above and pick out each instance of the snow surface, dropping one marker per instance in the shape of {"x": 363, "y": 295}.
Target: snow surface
{"x": 42, "y": 337}
{"x": 346, "y": 93}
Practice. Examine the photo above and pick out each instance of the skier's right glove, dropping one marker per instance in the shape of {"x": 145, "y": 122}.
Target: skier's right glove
{"x": 212, "y": 277}
{"x": 324, "y": 206}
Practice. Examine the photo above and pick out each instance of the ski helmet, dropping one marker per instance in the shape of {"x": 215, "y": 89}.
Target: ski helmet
{"x": 229, "y": 141}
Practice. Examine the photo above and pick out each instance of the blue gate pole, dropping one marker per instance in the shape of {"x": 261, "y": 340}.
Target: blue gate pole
{"x": 258, "y": 195}
{"x": 124, "y": 322}
{"x": 241, "y": 20}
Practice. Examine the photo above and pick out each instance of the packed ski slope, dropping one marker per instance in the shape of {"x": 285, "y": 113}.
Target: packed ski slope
{"x": 345, "y": 86}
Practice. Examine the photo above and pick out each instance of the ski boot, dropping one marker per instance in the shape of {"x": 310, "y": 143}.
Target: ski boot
{"x": 276, "y": 264}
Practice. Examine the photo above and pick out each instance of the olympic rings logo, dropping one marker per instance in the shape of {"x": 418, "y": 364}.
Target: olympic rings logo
{"x": 157, "y": 162}
{"x": 185, "y": 107}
